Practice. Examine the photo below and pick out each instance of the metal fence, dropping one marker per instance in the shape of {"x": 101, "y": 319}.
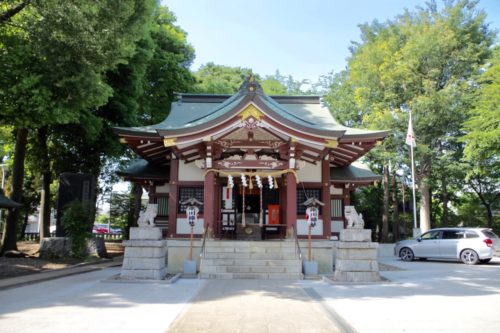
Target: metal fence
{"x": 35, "y": 236}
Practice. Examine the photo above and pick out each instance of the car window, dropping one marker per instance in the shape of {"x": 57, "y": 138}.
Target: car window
{"x": 453, "y": 234}
{"x": 471, "y": 234}
{"x": 489, "y": 233}
{"x": 435, "y": 234}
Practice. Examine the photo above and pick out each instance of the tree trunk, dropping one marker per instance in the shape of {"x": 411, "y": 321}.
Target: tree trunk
{"x": 490, "y": 216}
{"x": 137, "y": 188}
{"x": 385, "y": 214}
{"x": 404, "y": 226}
{"x": 425, "y": 205}
{"x": 13, "y": 11}
{"x": 9, "y": 237}
{"x": 46, "y": 180}
{"x": 25, "y": 224}
{"x": 395, "y": 211}
{"x": 486, "y": 204}
{"x": 444, "y": 189}
{"x": 135, "y": 206}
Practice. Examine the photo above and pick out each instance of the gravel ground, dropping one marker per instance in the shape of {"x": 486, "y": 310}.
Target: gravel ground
{"x": 31, "y": 264}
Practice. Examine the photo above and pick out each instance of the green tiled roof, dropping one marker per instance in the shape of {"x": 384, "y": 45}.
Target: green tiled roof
{"x": 141, "y": 169}
{"x": 6, "y": 202}
{"x": 192, "y": 110}
{"x": 356, "y": 172}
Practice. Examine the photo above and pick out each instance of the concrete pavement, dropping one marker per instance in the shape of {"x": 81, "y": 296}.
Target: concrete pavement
{"x": 228, "y": 306}
{"x": 422, "y": 297}
{"x": 83, "y": 303}
{"x": 428, "y": 296}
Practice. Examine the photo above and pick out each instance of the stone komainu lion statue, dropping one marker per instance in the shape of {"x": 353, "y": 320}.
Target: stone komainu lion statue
{"x": 147, "y": 217}
{"x": 354, "y": 220}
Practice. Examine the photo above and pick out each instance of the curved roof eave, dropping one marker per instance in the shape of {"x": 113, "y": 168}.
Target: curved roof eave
{"x": 144, "y": 131}
{"x": 365, "y": 134}
{"x": 231, "y": 107}
{"x": 141, "y": 169}
{"x": 355, "y": 172}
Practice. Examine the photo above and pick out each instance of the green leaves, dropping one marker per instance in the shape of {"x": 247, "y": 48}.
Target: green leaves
{"x": 425, "y": 61}
{"x": 483, "y": 126}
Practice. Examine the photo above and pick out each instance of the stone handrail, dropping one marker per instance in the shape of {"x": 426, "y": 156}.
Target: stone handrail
{"x": 297, "y": 245}
{"x": 202, "y": 251}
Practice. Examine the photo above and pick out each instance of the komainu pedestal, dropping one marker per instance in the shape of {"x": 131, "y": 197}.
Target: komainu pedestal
{"x": 356, "y": 259}
{"x": 145, "y": 254}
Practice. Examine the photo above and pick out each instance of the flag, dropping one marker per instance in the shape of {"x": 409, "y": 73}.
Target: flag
{"x": 410, "y": 136}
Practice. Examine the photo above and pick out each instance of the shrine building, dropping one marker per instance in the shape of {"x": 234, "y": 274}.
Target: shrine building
{"x": 252, "y": 160}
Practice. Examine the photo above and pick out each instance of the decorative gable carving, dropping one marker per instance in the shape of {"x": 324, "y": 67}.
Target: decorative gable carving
{"x": 251, "y": 111}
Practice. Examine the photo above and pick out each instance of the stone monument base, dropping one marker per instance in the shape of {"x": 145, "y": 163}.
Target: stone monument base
{"x": 356, "y": 259}
{"x": 60, "y": 247}
{"x": 145, "y": 254}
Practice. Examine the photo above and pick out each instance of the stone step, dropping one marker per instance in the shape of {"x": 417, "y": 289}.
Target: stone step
{"x": 243, "y": 255}
{"x": 249, "y": 262}
{"x": 249, "y": 250}
{"x": 243, "y": 244}
{"x": 263, "y": 276}
{"x": 252, "y": 269}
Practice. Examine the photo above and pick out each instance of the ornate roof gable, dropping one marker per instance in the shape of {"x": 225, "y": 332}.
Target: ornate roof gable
{"x": 250, "y": 116}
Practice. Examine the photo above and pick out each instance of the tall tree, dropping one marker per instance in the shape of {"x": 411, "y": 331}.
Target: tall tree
{"x": 143, "y": 89}
{"x": 168, "y": 70}
{"x": 219, "y": 79}
{"x": 53, "y": 55}
{"x": 482, "y": 140}
{"x": 421, "y": 61}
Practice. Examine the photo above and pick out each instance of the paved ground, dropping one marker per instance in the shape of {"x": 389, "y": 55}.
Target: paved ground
{"x": 429, "y": 296}
{"x": 253, "y": 306}
{"x": 83, "y": 303}
{"x": 423, "y": 297}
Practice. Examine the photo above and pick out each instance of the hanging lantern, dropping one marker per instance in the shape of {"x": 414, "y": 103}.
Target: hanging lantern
{"x": 270, "y": 182}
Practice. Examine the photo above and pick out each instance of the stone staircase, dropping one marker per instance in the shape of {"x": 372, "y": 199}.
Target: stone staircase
{"x": 250, "y": 260}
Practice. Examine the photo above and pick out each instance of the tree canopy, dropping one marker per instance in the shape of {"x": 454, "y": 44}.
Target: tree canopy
{"x": 425, "y": 62}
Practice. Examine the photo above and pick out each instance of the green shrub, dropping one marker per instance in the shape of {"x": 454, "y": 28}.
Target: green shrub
{"x": 77, "y": 221}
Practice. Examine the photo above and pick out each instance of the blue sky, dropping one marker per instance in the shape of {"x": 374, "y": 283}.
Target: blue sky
{"x": 304, "y": 38}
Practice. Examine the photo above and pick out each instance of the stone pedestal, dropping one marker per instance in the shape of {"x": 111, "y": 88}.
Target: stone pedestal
{"x": 189, "y": 267}
{"x": 356, "y": 259}
{"x": 145, "y": 254}
{"x": 310, "y": 267}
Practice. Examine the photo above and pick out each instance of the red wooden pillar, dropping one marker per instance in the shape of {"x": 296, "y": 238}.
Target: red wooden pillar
{"x": 325, "y": 188}
{"x": 173, "y": 192}
{"x": 291, "y": 203}
{"x": 209, "y": 202}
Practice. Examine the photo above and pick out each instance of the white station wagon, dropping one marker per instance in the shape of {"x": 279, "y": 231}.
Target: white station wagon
{"x": 471, "y": 245}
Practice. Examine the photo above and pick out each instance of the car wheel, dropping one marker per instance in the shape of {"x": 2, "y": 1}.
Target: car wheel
{"x": 484, "y": 261}
{"x": 406, "y": 254}
{"x": 469, "y": 257}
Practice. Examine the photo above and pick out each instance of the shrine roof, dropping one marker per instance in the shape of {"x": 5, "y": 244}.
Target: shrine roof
{"x": 6, "y": 202}
{"x": 194, "y": 111}
{"x": 355, "y": 172}
{"x": 143, "y": 170}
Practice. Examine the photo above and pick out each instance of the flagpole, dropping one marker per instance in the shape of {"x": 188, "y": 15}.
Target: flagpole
{"x": 410, "y": 140}
{"x": 413, "y": 189}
